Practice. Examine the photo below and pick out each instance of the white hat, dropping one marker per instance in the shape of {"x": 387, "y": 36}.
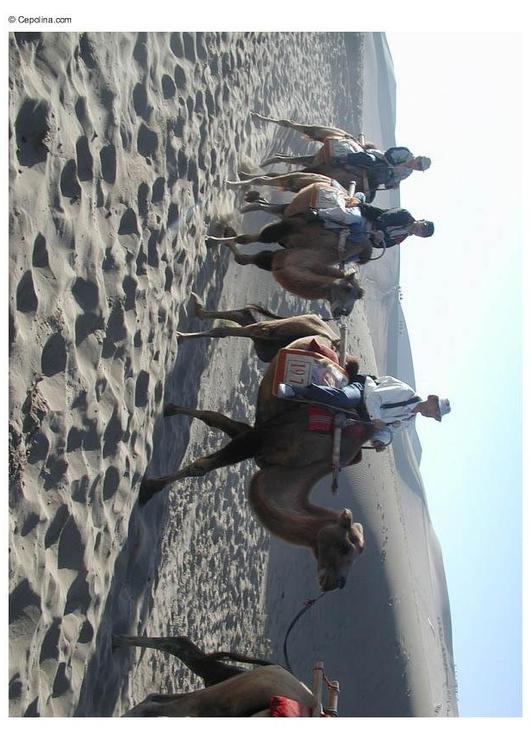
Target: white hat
{"x": 444, "y": 407}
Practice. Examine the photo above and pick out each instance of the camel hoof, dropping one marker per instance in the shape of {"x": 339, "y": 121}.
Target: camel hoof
{"x": 197, "y": 305}
{"x": 170, "y": 410}
{"x": 251, "y": 196}
{"x": 148, "y": 488}
{"x": 116, "y": 642}
{"x": 213, "y": 242}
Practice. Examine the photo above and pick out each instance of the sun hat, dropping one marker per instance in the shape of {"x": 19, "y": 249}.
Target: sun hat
{"x": 444, "y": 407}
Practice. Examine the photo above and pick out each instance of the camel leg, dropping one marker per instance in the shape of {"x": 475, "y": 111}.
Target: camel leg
{"x": 212, "y": 419}
{"x": 252, "y": 331}
{"x": 314, "y": 132}
{"x": 244, "y": 316}
{"x": 241, "y": 447}
{"x": 305, "y": 159}
{"x": 258, "y": 179}
{"x": 210, "y": 667}
{"x": 263, "y": 260}
{"x": 263, "y": 205}
{"x": 240, "y": 239}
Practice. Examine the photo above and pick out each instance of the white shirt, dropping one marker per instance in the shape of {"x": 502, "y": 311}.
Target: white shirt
{"x": 331, "y": 207}
{"x": 387, "y": 391}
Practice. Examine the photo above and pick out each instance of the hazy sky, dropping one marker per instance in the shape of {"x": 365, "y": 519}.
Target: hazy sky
{"x": 458, "y": 101}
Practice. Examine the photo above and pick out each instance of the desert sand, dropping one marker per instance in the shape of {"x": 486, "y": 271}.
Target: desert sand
{"x": 120, "y": 147}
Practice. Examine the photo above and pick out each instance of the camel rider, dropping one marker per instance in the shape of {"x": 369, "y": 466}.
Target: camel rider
{"x": 394, "y": 225}
{"x": 332, "y": 205}
{"x": 388, "y": 168}
{"x": 387, "y": 402}
{"x": 339, "y": 211}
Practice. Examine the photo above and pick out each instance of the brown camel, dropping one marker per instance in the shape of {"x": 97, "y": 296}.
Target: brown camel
{"x": 299, "y": 225}
{"x": 268, "y": 336}
{"x": 321, "y": 162}
{"x": 229, "y": 690}
{"x": 291, "y": 460}
{"x": 306, "y": 272}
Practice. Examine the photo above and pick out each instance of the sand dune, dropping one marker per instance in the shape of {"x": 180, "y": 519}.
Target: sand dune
{"x": 120, "y": 145}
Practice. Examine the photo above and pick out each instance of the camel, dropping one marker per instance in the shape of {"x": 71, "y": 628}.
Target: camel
{"x": 267, "y": 336}
{"x": 309, "y": 263}
{"x": 300, "y": 227}
{"x": 291, "y": 461}
{"x": 321, "y": 162}
{"x": 306, "y": 272}
{"x": 229, "y": 690}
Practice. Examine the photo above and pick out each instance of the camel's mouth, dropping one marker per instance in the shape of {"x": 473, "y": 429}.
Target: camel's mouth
{"x": 331, "y": 582}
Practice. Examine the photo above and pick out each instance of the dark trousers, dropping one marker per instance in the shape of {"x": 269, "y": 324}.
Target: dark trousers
{"x": 349, "y": 397}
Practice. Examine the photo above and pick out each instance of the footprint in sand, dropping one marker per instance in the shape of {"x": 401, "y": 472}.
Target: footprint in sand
{"x": 32, "y": 128}
{"x": 38, "y": 447}
{"x": 113, "y": 435}
{"x": 70, "y": 549}
{"x": 86, "y": 51}
{"x": 142, "y": 389}
{"x": 56, "y": 526}
{"x": 179, "y": 75}
{"x": 30, "y": 522}
{"x": 86, "y": 293}
{"x": 108, "y": 163}
{"x": 53, "y": 357}
{"x": 85, "y": 162}
{"x": 115, "y": 331}
{"x": 83, "y": 116}
{"x": 129, "y": 285}
{"x": 168, "y": 279}
{"x": 147, "y": 142}
{"x": 153, "y": 251}
{"x": 27, "y": 301}
{"x": 129, "y": 223}
{"x": 189, "y": 46}
{"x": 79, "y": 488}
{"x": 141, "y": 260}
{"x": 110, "y": 482}
{"x": 142, "y": 199}
{"x": 40, "y": 253}
{"x": 69, "y": 186}
{"x": 50, "y": 642}
{"x": 140, "y": 52}
{"x": 176, "y": 44}
{"x": 168, "y": 87}
{"x": 61, "y": 683}
{"x": 140, "y": 101}
{"x": 78, "y": 596}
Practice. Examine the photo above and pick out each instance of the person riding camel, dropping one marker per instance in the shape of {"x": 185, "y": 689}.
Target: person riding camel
{"x": 392, "y": 226}
{"x": 388, "y": 168}
{"x": 332, "y": 206}
{"x": 388, "y": 403}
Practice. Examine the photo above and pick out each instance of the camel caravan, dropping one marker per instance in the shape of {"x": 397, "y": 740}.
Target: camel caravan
{"x": 315, "y": 411}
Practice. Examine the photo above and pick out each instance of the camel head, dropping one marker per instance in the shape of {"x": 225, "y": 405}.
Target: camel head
{"x": 343, "y": 294}
{"x": 337, "y": 546}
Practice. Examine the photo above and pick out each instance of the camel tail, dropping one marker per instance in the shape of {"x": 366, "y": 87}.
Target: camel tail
{"x": 352, "y": 366}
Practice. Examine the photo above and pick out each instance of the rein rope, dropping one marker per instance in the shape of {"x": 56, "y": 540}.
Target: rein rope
{"x": 308, "y": 604}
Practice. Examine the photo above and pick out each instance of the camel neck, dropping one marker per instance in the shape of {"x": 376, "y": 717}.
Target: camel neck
{"x": 279, "y": 498}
